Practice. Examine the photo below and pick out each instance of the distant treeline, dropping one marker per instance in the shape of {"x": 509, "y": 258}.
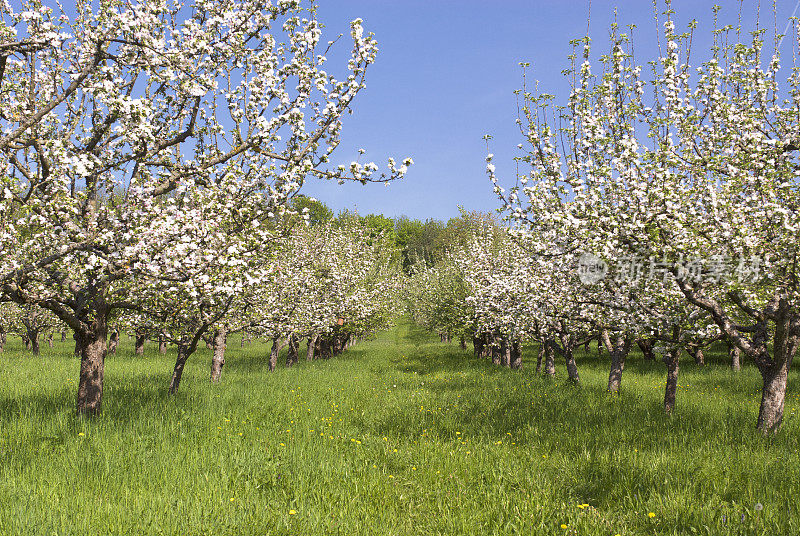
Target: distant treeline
{"x": 420, "y": 243}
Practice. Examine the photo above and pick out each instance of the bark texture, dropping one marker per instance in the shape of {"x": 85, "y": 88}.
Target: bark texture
{"x": 734, "y": 354}
{"x": 618, "y": 348}
{"x": 139, "y": 344}
{"x": 180, "y": 363}
{"x": 92, "y": 347}
{"x": 113, "y": 342}
{"x": 218, "y": 357}
{"x": 273, "y": 354}
{"x": 312, "y": 343}
{"x": 672, "y": 359}
{"x": 646, "y": 346}
{"x": 549, "y": 359}
{"x": 516, "y": 355}
{"x": 292, "y": 356}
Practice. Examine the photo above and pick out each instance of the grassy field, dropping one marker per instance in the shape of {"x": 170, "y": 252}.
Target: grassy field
{"x": 401, "y": 435}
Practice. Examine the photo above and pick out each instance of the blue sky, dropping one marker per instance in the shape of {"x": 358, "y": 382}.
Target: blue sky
{"x": 445, "y": 76}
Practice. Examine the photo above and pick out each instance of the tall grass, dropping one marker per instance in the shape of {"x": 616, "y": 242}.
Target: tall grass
{"x": 401, "y": 435}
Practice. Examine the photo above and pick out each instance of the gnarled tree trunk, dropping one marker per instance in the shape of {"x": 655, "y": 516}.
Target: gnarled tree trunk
{"x": 516, "y": 355}
{"x": 496, "y": 351}
{"x": 33, "y": 337}
{"x": 312, "y": 343}
{"x": 696, "y": 353}
{"x": 91, "y": 345}
{"x": 646, "y": 346}
{"x": 292, "y": 356}
{"x": 505, "y": 352}
{"x": 618, "y": 349}
{"x": 113, "y": 342}
{"x": 477, "y": 345}
{"x": 218, "y": 357}
{"x": 566, "y": 349}
{"x": 774, "y": 373}
{"x": 572, "y": 366}
{"x": 549, "y": 359}
{"x": 734, "y": 353}
{"x": 672, "y": 359}
{"x": 273, "y": 354}
{"x": 180, "y": 363}
{"x": 139, "y": 344}
{"x": 186, "y": 347}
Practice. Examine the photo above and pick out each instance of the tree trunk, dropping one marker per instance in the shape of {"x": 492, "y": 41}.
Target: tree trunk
{"x": 338, "y": 343}
{"x": 292, "y": 354}
{"x": 735, "y": 356}
{"x": 549, "y": 360}
{"x": 773, "y": 396}
{"x": 2, "y": 339}
{"x": 50, "y": 340}
{"x": 180, "y": 363}
{"x": 113, "y": 342}
{"x": 572, "y": 366}
{"x": 63, "y": 335}
{"x": 505, "y": 352}
{"x": 496, "y": 352}
{"x": 26, "y": 341}
{"x": 312, "y": 343}
{"x": 672, "y": 359}
{"x": 775, "y": 373}
{"x": 273, "y": 354}
{"x": 162, "y": 344}
{"x": 139, "y": 345}
{"x": 92, "y": 347}
{"x": 539, "y": 358}
{"x": 33, "y": 337}
{"x": 646, "y": 346}
{"x": 697, "y": 354}
{"x": 462, "y": 343}
{"x": 618, "y": 350}
{"x": 516, "y": 355}
{"x": 218, "y": 358}
{"x": 477, "y": 345}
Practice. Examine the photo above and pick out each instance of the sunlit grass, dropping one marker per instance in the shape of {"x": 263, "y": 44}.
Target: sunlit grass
{"x": 401, "y": 435}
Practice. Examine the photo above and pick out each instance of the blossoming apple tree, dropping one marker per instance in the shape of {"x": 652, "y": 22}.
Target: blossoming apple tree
{"x": 690, "y": 168}
{"x": 115, "y": 115}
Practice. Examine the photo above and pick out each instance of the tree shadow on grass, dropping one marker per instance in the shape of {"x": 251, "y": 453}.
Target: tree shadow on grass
{"x": 518, "y": 404}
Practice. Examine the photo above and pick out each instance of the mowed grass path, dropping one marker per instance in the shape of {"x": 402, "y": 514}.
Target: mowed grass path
{"x": 401, "y": 435}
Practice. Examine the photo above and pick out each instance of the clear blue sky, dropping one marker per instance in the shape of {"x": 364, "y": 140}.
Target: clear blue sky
{"x": 445, "y": 76}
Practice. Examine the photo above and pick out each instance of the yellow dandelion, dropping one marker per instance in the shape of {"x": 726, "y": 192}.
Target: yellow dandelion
{"x": 292, "y": 512}
{"x": 651, "y": 515}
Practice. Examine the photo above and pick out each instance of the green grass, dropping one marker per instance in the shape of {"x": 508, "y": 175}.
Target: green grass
{"x": 401, "y": 435}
